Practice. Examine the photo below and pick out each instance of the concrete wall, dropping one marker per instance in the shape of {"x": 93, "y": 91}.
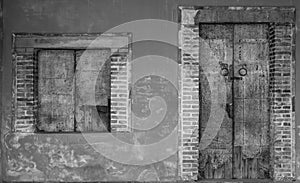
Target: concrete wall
{"x": 89, "y": 16}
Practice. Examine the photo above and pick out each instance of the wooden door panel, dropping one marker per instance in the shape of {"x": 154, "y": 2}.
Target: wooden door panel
{"x": 216, "y": 48}
{"x": 250, "y": 101}
{"x": 63, "y": 112}
{"x": 251, "y": 50}
{"x": 239, "y": 131}
{"x": 263, "y": 163}
{"x": 92, "y": 90}
{"x": 254, "y": 84}
{"x": 56, "y": 64}
{"x": 56, "y": 89}
{"x": 255, "y": 32}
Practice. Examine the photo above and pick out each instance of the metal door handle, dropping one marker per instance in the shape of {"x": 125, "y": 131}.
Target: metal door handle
{"x": 243, "y": 71}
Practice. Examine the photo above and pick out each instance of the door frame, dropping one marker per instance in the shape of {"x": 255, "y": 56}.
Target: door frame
{"x": 281, "y": 22}
{"x": 25, "y": 45}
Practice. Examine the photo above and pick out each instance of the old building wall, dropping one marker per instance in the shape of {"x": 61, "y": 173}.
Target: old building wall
{"x": 67, "y": 157}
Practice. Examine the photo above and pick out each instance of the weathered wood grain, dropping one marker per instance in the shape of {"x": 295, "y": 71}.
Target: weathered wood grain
{"x": 56, "y": 90}
{"x": 245, "y": 47}
{"x": 92, "y": 90}
{"x": 251, "y": 101}
{"x": 218, "y": 154}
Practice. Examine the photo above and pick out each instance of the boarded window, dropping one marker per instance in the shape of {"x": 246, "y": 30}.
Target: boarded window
{"x": 74, "y": 90}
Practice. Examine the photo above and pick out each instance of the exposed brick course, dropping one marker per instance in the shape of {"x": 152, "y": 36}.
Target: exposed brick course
{"x": 119, "y": 92}
{"x": 189, "y": 45}
{"x": 281, "y": 87}
{"x": 26, "y": 102}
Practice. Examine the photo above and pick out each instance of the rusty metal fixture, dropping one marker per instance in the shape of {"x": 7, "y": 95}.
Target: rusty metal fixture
{"x": 224, "y": 72}
{"x": 224, "y": 69}
{"x": 243, "y": 71}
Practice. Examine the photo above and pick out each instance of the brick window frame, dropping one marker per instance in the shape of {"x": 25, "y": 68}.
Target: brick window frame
{"x": 281, "y": 22}
{"x": 25, "y": 72}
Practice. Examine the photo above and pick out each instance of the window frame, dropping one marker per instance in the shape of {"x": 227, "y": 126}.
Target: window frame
{"x": 118, "y": 43}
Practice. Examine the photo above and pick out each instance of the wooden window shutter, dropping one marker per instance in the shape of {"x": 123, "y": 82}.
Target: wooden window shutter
{"x": 56, "y": 90}
{"x": 93, "y": 87}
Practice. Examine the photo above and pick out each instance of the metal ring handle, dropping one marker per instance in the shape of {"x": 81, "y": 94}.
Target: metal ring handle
{"x": 243, "y": 71}
{"x": 224, "y": 72}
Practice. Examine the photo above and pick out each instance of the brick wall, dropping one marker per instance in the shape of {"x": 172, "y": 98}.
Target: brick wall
{"x": 120, "y": 104}
{"x": 189, "y": 50}
{"x": 25, "y": 90}
{"x": 281, "y": 93}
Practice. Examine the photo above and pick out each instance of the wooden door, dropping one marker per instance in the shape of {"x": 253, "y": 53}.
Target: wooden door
{"x": 250, "y": 101}
{"x": 236, "y": 56}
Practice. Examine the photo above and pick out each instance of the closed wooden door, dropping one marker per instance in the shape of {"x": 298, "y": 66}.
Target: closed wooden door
{"x": 234, "y": 81}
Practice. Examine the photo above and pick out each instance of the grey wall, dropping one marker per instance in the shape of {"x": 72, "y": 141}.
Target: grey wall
{"x": 88, "y": 16}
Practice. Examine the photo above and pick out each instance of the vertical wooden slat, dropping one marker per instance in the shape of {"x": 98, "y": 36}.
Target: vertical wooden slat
{"x": 237, "y": 166}
{"x": 56, "y": 88}
{"x": 228, "y": 170}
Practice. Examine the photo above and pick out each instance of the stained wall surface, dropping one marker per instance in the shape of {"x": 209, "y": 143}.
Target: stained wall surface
{"x": 67, "y": 157}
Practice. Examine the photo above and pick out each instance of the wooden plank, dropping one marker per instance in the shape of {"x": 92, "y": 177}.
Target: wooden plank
{"x": 93, "y": 118}
{"x": 251, "y": 93}
{"x": 252, "y": 168}
{"x": 228, "y": 169}
{"x": 217, "y": 39}
{"x": 92, "y": 90}
{"x": 219, "y": 173}
{"x": 263, "y": 163}
{"x": 245, "y": 168}
{"x": 56, "y": 89}
{"x": 237, "y": 167}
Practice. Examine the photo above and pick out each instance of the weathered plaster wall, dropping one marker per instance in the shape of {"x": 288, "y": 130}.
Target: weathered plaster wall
{"x": 66, "y": 157}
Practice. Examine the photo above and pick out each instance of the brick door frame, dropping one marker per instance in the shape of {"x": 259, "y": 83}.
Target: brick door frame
{"x": 24, "y": 96}
{"x": 281, "y": 22}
